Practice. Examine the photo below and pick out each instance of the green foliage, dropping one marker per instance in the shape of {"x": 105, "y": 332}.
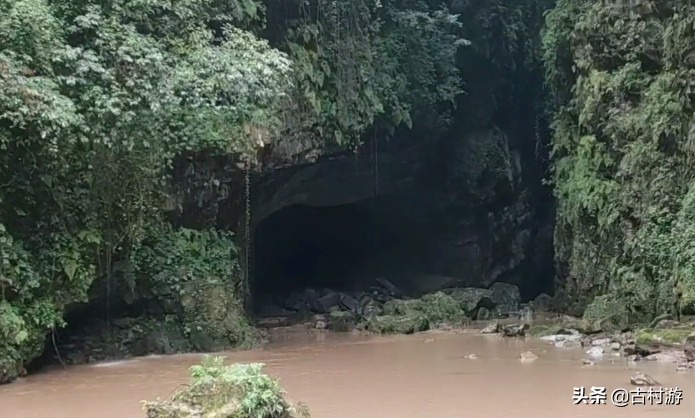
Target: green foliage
{"x": 356, "y": 68}
{"x": 415, "y": 315}
{"x": 195, "y": 276}
{"x": 172, "y": 257}
{"x": 28, "y": 307}
{"x": 262, "y": 395}
{"x": 621, "y": 76}
{"x": 96, "y": 100}
{"x": 235, "y": 391}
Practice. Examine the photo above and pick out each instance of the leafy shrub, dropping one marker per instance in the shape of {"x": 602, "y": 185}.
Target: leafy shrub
{"x": 238, "y": 390}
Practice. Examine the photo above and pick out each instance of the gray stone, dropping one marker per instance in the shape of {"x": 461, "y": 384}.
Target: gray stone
{"x": 660, "y": 318}
{"x": 666, "y": 323}
{"x": 350, "y": 303}
{"x": 471, "y": 298}
{"x": 302, "y": 300}
{"x": 643, "y": 379}
{"x": 325, "y": 303}
{"x": 528, "y": 356}
{"x": 526, "y": 314}
{"x": 689, "y": 351}
{"x": 369, "y": 308}
{"x": 515, "y": 330}
{"x": 484, "y": 314}
{"x": 595, "y": 352}
{"x": 506, "y": 297}
{"x": 491, "y": 328}
{"x": 567, "y": 344}
{"x": 390, "y": 288}
{"x": 542, "y": 303}
{"x": 600, "y": 342}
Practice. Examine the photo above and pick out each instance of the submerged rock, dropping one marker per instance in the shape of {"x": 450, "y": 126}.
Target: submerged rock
{"x": 683, "y": 367}
{"x": 527, "y": 357}
{"x": 595, "y": 352}
{"x": 643, "y": 379}
{"x": 515, "y": 330}
{"x": 491, "y": 328}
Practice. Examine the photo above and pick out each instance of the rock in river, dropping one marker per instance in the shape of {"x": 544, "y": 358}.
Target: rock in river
{"x": 595, "y": 352}
{"x": 527, "y": 357}
{"x": 643, "y": 379}
{"x": 515, "y": 330}
{"x": 491, "y": 328}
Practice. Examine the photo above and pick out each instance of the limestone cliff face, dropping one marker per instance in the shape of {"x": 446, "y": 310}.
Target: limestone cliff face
{"x": 470, "y": 200}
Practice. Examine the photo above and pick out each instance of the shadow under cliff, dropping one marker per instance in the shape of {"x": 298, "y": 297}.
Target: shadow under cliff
{"x": 449, "y": 212}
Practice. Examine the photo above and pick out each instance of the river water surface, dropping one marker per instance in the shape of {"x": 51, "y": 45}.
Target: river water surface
{"x": 349, "y": 376}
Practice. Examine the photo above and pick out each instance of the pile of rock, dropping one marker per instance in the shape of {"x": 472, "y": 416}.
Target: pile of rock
{"x": 664, "y": 340}
{"x": 384, "y": 308}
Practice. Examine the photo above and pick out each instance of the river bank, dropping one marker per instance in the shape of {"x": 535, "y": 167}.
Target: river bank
{"x": 385, "y": 309}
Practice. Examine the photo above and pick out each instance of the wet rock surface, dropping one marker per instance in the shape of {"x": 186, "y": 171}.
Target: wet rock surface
{"x": 382, "y": 307}
{"x": 643, "y": 379}
{"x": 669, "y": 342}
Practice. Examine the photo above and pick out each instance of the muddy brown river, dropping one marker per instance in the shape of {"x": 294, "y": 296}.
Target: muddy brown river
{"x": 346, "y": 376}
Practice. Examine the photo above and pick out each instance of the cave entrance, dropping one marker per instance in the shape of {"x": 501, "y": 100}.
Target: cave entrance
{"x": 342, "y": 248}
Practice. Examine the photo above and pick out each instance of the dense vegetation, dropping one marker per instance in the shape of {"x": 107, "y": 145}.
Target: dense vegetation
{"x": 99, "y": 98}
{"x": 622, "y": 77}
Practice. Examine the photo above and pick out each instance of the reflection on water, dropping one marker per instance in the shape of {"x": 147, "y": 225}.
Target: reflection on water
{"x": 348, "y": 376}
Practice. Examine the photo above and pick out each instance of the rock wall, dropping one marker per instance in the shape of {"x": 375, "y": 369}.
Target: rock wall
{"x": 475, "y": 194}
{"x": 470, "y": 193}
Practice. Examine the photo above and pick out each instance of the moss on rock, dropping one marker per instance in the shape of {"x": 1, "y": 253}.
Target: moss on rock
{"x": 665, "y": 336}
{"x": 605, "y": 314}
{"x": 415, "y": 315}
{"x": 397, "y": 324}
{"x": 543, "y": 330}
{"x": 234, "y": 391}
{"x": 619, "y": 75}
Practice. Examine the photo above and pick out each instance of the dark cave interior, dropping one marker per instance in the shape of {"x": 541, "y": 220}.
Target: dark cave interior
{"x": 342, "y": 247}
{"x": 347, "y": 247}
